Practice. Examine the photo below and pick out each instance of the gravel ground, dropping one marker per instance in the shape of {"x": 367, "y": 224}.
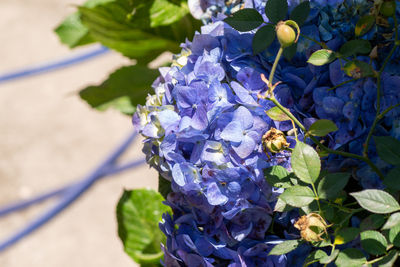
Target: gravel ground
{"x": 49, "y": 137}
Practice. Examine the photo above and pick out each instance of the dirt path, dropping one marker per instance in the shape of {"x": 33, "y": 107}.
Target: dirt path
{"x": 49, "y": 137}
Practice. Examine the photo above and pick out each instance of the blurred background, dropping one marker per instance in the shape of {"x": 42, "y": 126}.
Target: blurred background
{"x": 50, "y": 137}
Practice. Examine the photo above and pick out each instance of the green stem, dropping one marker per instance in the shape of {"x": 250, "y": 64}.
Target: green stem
{"x": 271, "y": 75}
{"x": 387, "y": 110}
{"x": 378, "y": 91}
{"x": 316, "y": 198}
{"x": 375, "y": 260}
{"x": 343, "y": 83}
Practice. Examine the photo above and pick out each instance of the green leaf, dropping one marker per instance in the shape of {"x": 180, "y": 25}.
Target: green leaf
{"x": 393, "y": 221}
{"x": 330, "y": 185}
{"x": 346, "y": 235}
{"x": 164, "y": 186}
{"x": 165, "y": 12}
{"x": 376, "y": 201}
{"x": 314, "y": 256}
{"x": 281, "y": 206}
{"x": 72, "y": 32}
{"x": 330, "y": 258}
{"x": 245, "y": 20}
{"x": 138, "y": 214}
{"x": 278, "y": 176}
{"x": 364, "y": 24}
{"x": 263, "y": 38}
{"x": 284, "y": 247}
{"x": 290, "y": 51}
{"x": 389, "y": 260}
{"x": 128, "y": 27}
{"x": 276, "y": 10}
{"x": 388, "y": 149}
{"x": 373, "y": 242}
{"x": 322, "y": 57}
{"x": 350, "y": 257}
{"x": 305, "y": 163}
{"x": 277, "y": 114}
{"x": 358, "y": 69}
{"x": 322, "y": 127}
{"x": 355, "y": 47}
{"x": 298, "y": 196}
{"x": 392, "y": 179}
{"x": 372, "y": 222}
{"x": 300, "y": 13}
{"x": 394, "y": 235}
{"x": 123, "y": 90}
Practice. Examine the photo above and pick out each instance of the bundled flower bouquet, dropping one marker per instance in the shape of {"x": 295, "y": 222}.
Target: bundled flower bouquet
{"x": 275, "y": 132}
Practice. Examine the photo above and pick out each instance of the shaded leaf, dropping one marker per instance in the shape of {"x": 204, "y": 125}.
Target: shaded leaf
{"x": 138, "y": 214}
{"x": 331, "y": 184}
{"x": 245, "y": 20}
{"x": 372, "y": 222}
{"x": 389, "y": 260}
{"x": 373, "y": 242}
{"x": 123, "y": 90}
{"x": 300, "y": 13}
{"x": 346, "y": 235}
{"x": 392, "y": 179}
{"x": 388, "y": 149}
{"x": 164, "y": 186}
{"x": 278, "y": 176}
{"x": 263, "y": 38}
{"x": 276, "y": 10}
{"x": 277, "y": 114}
{"x": 394, "y": 235}
{"x": 393, "y": 221}
{"x": 298, "y": 196}
{"x": 350, "y": 257}
{"x": 284, "y": 247}
{"x": 355, "y": 47}
{"x": 322, "y": 57}
{"x": 364, "y": 24}
{"x": 290, "y": 51}
{"x": 281, "y": 206}
{"x": 330, "y": 258}
{"x": 376, "y": 201}
{"x": 315, "y": 256}
{"x": 322, "y": 127}
{"x": 305, "y": 163}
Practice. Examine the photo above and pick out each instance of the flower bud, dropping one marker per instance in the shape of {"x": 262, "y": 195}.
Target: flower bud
{"x": 274, "y": 141}
{"x": 312, "y": 227}
{"x": 286, "y": 35}
{"x": 388, "y": 8}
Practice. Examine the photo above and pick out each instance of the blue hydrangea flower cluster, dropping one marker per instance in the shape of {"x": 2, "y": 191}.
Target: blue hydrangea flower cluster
{"x": 204, "y": 128}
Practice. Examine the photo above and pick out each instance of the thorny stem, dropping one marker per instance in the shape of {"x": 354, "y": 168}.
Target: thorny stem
{"x": 316, "y": 197}
{"x": 378, "y": 90}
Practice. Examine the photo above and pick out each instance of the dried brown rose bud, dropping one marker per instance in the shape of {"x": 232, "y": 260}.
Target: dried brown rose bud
{"x": 274, "y": 141}
{"x": 312, "y": 226}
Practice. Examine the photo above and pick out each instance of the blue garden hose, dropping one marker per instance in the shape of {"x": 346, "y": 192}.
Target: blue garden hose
{"x": 68, "y": 194}
{"x": 54, "y": 65}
